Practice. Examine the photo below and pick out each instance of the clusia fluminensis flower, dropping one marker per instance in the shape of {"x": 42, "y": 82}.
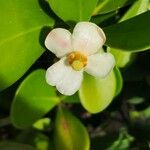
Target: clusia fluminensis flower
{"x": 78, "y": 52}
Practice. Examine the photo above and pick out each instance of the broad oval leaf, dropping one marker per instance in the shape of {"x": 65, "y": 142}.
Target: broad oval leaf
{"x": 73, "y": 10}
{"x": 21, "y": 24}
{"x": 33, "y": 99}
{"x": 123, "y": 57}
{"x": 97, "y": 93}
{"x": 131, "y": 35}
{"x": 69, "y": 132}
{"x": 15, "y": 146}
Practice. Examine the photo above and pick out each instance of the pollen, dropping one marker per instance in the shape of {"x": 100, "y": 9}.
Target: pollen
{"x": 77, "y": 60}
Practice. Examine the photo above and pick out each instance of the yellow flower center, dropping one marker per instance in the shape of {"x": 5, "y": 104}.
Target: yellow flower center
{"x": 77, "y": 60}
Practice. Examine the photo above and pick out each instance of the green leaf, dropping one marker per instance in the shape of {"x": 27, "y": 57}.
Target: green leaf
{"x": 103, "y": 141}
{"x": 105, "y": 6}
{"x": 21, "y": 24}
{"x": 123, "y": 142}
{"x": 136, "y": 100}
{"x": 119, "y": 80}
{"x": 33, "y": 99}
{"x": 42, "y": 124}
{"x": 72, "y": 99}
{"x": 130, "y": 35}
{"x": 144, "y": 114}
{"x": 15, "y": 146}
{"x": 113, "y": 140}
{"x": 137, "y": 8}
{"x": 100, "y": 19}
{"x": 42, "y": 142}
{"x": 73, "y": 10}
{"x": 69, "y": 133}
{"x": 97, "y": 93}
{"x": 123, "y": 57}
{"x": 39, "y": 140}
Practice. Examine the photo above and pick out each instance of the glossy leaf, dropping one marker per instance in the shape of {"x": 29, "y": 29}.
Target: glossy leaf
{"x": 123, "y": 57}
{"x": 73, "y": 10}
{"x": 97, "y": 93}
{"x": 33, "y": 99}
{"x": 119, "y": 80}
{"x": 129, "y": 36}
{"x": 21, "y": 24}
{"x": 105, "y": 6}
{"x": 15, "y": 146}
{"x": 69, "y": 133}
{"x": 137, "y": 8}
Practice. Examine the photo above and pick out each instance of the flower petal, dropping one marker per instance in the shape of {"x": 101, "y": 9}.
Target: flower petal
{"x": 100, "y": 65}
{"x": 58, "y": 41}
{"x": 88, "y": 37}
{"x": 66, "y": 80}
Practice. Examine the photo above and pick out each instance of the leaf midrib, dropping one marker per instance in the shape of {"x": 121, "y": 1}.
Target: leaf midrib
{"x": 19, "y": 35}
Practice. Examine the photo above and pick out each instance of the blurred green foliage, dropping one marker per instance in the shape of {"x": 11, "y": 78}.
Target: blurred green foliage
{"x": 29, "y": 118}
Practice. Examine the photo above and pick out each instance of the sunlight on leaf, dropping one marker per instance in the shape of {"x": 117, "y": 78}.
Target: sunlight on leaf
{"x": 20, "y": 45}
{"x": 73, "y": 10}
{"x": 97, "y": 93}
{"x": 33, "y": 99}
{"x": 105, "y": 6}
{"x": 42, "y": 124}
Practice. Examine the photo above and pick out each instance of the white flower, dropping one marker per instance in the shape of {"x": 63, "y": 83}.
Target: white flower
{"x": 77, "y": 53}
